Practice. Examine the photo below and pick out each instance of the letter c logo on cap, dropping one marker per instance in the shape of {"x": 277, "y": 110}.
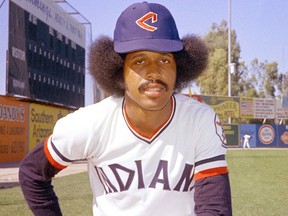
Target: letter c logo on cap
{"x": 141, "y": 21}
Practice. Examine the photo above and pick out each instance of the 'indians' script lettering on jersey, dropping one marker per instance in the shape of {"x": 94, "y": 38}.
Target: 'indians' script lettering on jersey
{"x": 121, "y": 178}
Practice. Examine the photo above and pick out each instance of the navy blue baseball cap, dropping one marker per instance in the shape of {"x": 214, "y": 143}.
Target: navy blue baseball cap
{"x": 146, "y": 26}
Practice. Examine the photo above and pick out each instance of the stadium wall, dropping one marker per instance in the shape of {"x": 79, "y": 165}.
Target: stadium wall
{"x": 23, "y": 124}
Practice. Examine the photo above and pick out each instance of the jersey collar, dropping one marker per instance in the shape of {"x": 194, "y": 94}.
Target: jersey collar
{"x": 149, "y": 139}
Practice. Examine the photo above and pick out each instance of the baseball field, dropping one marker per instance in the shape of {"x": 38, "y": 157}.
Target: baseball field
{"x": 259, "y": 183}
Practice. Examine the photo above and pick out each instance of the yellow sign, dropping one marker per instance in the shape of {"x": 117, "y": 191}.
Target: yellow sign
{"x": 42, "y": 122}
{"x": 224, "y": 106}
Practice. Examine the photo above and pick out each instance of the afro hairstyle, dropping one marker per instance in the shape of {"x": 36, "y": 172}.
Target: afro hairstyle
{"x": 106, "y": 66}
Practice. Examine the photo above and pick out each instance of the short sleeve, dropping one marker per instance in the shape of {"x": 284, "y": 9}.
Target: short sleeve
{"x": 211, "y": 147}
{"x": 71, "y": 139}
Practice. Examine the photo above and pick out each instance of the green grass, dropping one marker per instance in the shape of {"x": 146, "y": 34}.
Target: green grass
{"x": 259, "y": 183}
{"x": 74, "y": 193}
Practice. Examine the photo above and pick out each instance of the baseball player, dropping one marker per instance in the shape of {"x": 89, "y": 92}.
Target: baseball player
{"x": 246, "y": 140}
{"x": 150, "y": 151}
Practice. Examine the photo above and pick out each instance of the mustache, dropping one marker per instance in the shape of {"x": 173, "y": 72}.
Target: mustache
{"x": 148, "y": 82}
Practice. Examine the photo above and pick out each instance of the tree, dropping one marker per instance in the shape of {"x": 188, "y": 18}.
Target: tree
{"x": 214, "y": 80}
{"x": 263, "y": 77}
{"x": 271, "y": 79}
{"x": 257, "y": 79}
{"x": 282, "y": 84}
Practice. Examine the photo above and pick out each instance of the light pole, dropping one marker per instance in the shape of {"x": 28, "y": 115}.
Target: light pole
{"x": 229, "y": 48}
{"x": 231, "y": 66}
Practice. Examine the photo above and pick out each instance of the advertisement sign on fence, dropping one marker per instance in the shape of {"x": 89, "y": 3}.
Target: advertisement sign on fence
{"x": 267, "y": 135}
{"x": 42, "y": 122}
{"x": 232, "y": 134}
{"x": 13, "y": 129}
{"x": 283, "y": 136}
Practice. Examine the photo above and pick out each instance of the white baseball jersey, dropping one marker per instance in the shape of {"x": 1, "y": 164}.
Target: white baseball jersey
{"x": 132, "y": 174}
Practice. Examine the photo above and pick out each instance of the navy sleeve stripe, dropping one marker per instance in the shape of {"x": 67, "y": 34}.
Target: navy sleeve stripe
{"x": 59, "y": 154}
{"x": 209, "y": 160}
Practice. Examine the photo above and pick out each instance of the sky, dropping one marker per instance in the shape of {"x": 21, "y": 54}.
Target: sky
{"x": 260, "y": 25}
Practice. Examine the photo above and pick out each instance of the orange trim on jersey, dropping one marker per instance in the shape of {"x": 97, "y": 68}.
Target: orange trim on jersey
{"x": 139, "y": 132}
{"x": 50, "y": 158}
{"x": 210, "y": 172}
{"x": 156, "y": 130}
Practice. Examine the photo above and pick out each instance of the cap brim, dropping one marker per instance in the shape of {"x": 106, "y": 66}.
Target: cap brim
{"x": 155, "y": 45}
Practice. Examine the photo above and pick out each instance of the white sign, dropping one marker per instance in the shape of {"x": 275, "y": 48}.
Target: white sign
{"x": 264, "y": 108}
{"x": 281, "y": 112}
{"x": 54, "y": 16}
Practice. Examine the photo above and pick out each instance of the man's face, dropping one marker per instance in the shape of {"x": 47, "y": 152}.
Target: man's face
{"x": 149, "y": 78}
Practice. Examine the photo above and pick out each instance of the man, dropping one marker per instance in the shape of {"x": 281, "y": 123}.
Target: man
{"x": 149, "y": 150}
{"x": 246, "y": 143}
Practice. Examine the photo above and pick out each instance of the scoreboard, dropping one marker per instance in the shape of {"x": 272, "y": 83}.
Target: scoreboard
{"x": 46, "y": 54}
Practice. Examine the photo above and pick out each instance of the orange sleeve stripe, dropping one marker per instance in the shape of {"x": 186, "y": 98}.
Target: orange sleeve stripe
{"x": 50, "y": 158}
{"x": 210, "y": 172}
